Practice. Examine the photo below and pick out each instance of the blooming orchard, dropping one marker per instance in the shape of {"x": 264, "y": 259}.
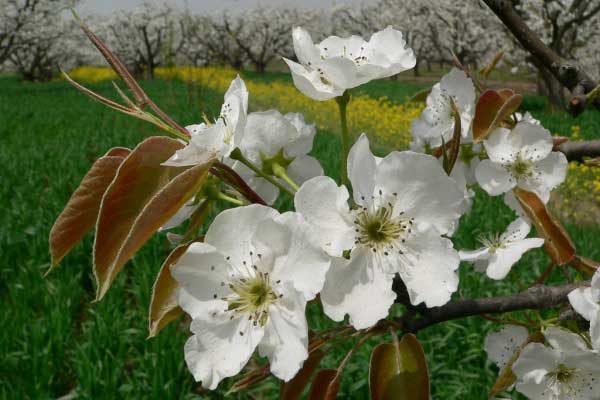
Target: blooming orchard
{"x": 380, "y": 236}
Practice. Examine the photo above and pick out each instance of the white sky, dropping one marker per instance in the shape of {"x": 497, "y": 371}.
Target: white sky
{"x": 109, "y": 6}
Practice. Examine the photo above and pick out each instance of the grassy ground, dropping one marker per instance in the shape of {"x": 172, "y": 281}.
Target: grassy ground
{"x": 54, "y": 342}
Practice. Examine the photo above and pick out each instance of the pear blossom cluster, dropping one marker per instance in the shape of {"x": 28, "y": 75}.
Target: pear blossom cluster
{"x": 560, "y": 366}
{"x": 247, "y": 285}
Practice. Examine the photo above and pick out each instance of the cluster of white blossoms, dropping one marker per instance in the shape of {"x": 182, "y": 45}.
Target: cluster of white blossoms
{"x": 247, "y": 284}
{"x": 562, "y": 367}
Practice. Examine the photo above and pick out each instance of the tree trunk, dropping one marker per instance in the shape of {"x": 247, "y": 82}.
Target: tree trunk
{"x": 548, "y": 86}
{"x": 416, "y": 70}
{"x": 260, "y": 67}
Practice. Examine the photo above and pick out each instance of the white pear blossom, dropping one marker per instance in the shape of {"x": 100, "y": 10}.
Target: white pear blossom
{"x": 437, "y": 120}
{"x": 326, "y": 70}
{"x": 272, "y": 140}
{"x": 566, "y": 369}
{"x": 521, "y": 158}
{"x": 220, "y": 138}
{"x": 502, "y": 345}
{"x": 586, "y": 301}
{"x": 500, "y": 252}
{"x": 247, "y": 286}
{"x": 404, "y": 204}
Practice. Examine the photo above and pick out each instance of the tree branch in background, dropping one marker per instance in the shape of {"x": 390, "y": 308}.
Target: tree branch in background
{"x": 567, "y": 72}
{"x": 576, "y": 151}
{"x": 535, "y": 298}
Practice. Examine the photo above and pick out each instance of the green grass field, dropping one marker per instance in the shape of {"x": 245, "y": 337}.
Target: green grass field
{"x": 54, "y": 341}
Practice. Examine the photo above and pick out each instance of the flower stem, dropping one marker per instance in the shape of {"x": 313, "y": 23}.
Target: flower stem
{"x": 229, "y": 199}
{"x": 280, "y": 172}
{"x": 237, "y": 155}
{"x": 343, "y": 101}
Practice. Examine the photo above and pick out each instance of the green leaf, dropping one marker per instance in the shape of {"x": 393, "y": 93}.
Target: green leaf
{"x": 81, "y": 211}
{"x": 399, "y": 371}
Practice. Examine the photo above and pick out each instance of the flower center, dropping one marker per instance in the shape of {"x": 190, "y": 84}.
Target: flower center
{"x": 252, "y": 296}
{"x": 492, "y": 241}
{"x": 561, "y": 378}
{"x": 378, "y": 229}
{"x": 521, "y": 168}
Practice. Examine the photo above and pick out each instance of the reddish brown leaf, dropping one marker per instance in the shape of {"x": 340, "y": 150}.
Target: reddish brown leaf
{"x": 585, "y": 265}
{"x": 118, "y": 152}
{"x": 249, "y": 379}
{"x": 81, "y": 211}
{"x": 325, "y": 386}
{"x": 163, "y": 304}
{"x": 493, "y": 107}
{"x": 142, "y": 197}
{"x": 557, "y": 243}
{"x": 450, "y": 152}
{"x": 293, "y": 389}
{"x": 399, "y": 371}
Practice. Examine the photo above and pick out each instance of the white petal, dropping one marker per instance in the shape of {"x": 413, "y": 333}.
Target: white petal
{"x": 342, "y": 72}
{"x": 235, "y": 109}
{"x": 595, "y": 331}
{"x": 422, "y": 188}
{"x": 303, "y": 142}
{"x": 303, "y": 168}
{"x": 500, "y": 346}
{"x": 553, "y": 169}
{"x": 564, "y": 340}
{"x": 201, "y": 148}
{"x": 361, "y": 169}
{"x": 388, "y": 49}
{"x": 304, "y": 47}
{"x": 584, "y": 303}
{"x": 217, "y": 350}
{"x": 535, "y": 361}
{"x": 297, "y": 256}
{"x": 493, "y": 178}
{"x": 324, "y": 205}
{"x": 429, "y": 269}
{"x": 457, "y": 84}
{"x": 534, "y": 141}
{"x": 200, "y": 272}
{"x": 310, "y": 83}
{"x": 502, "y": 260}
{"x": 267, "y": 133}
{"x": 517, "y": 230}
{"x": 232, "y": 230}
{"x": 501, "y": 146}
{"x": 196, "y": 129}
{"x": 359, "y": 288}
{"x": 286, "y": 338}
{"x": 474, "y": 255}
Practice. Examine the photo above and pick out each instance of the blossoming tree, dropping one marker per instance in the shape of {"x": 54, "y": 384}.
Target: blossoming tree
{"x": 379, "y": 238}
